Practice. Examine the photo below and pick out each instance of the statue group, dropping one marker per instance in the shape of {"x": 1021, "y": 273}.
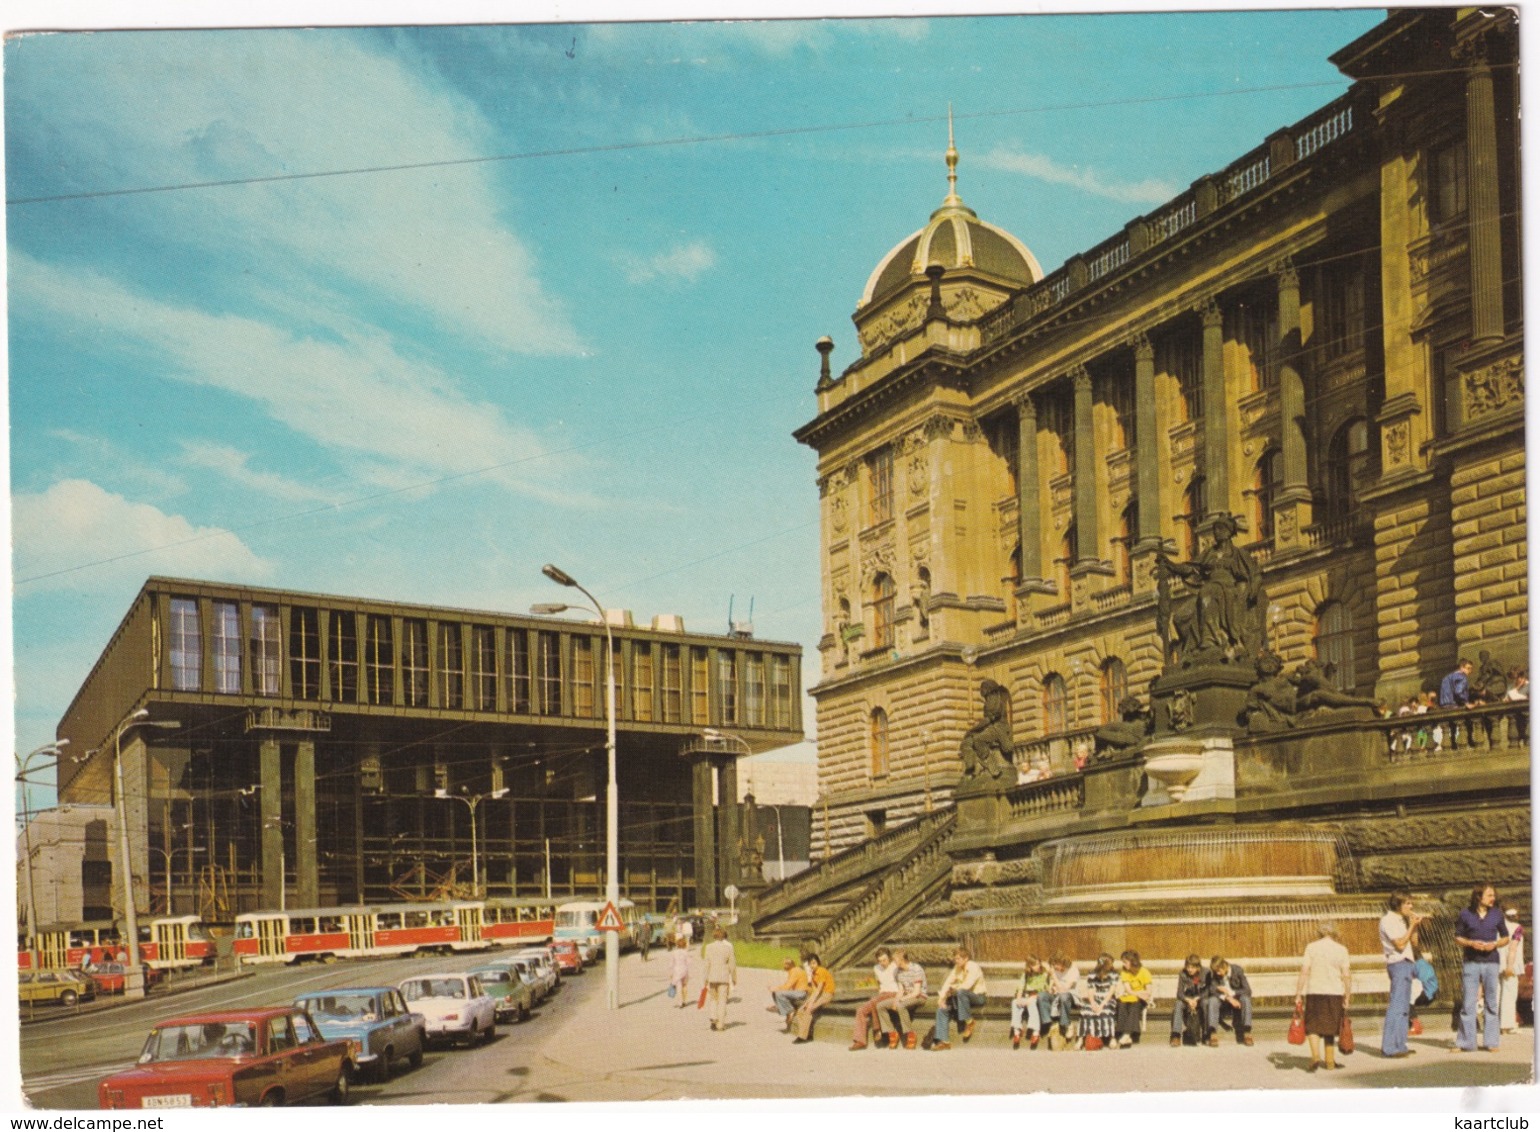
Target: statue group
{"x": 1220, "y": 613}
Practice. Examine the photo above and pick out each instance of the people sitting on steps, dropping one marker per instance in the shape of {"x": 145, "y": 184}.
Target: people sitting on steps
{"x": 895, "y": 1015}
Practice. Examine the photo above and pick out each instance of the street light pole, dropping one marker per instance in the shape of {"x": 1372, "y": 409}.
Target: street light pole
{"x": 23, "y": 768}
{"x": 133, "y": 976}
{"x": 612, "y": 805}
{"x": 471, "y": 802}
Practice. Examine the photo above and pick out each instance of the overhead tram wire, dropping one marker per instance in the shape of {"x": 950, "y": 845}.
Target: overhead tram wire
{"x": 705, "y": 139}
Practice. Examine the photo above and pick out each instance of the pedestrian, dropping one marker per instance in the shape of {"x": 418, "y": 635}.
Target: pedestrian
{"x": 687, "y": 930}
{"x": 962, "y": 993}
{"x": 1135, "y": 993}
{"x": 912, "y": 993}
{"x": 1098, "y": 1008}
{"x": 887, "y": 987}
{"x": 679, "y": 971}
{"x": 791, "y": 994}
{"x": 1513, "y": 967}
{"x": 1480, "y": 930}
{"x": 1454, "y": 689}
{"x": 820, "y": 994}
{"x": 1398, "y": 940}
{"x": 721, "y": 976}
{"x": 1324, "y": 990}
{"x": 643, "y": 938}
{"x": 1056, "y": 1005}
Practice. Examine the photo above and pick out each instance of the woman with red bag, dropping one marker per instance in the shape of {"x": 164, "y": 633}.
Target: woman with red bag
{"x": 1324, "y": 990}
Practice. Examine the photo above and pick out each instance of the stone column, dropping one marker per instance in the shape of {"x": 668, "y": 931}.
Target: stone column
{"x": 1088, "y": 537}
{"x": 727, "y": 801}
{"x": 1216, "y": 432}
{"x": 1029, "y": 500}
{"x": 1486, "y": 254}
{"x": 1291, "y": 508}
{"x": 703, "y": 801}
{"x": 307, "y": 878}
{"x": 270, "y": 770}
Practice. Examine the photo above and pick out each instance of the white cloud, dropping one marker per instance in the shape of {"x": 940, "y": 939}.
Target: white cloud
{"x": 68, "y": 536}
{"x": 1087, "y": 180}
{"x": 173, "y": 108}
{"x": 235, "y": 466}
{"x": 684, "y": 261}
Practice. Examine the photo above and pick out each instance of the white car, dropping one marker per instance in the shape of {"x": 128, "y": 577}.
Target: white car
{"x": 544, "y": 964}
{"x": 455, "y": 1007}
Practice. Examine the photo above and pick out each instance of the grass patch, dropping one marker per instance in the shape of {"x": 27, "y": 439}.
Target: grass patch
{"x": 752, "y": 953}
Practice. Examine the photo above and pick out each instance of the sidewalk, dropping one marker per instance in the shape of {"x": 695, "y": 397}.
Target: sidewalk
{"x": 651, "y": 1049}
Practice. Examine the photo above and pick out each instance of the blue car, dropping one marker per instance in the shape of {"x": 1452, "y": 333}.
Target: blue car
{"x": 376, "y": 1018}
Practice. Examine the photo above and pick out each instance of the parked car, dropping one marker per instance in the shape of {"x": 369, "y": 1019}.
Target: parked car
{"x": 111, "y": 978}
{"x": 268, "y": 1055}
{"x": 529, "y": 973}
{"x": 512, "y": 997}
{"x": 376, "y": 1018}
{"x": 569, "y": 957}
{"x": 545, "y": 966}
{"x": 454, "y": 1007}
{"x": 62, "y": 987}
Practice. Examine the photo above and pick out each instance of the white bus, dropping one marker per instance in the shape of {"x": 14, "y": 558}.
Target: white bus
{"x": 577, "y": 920}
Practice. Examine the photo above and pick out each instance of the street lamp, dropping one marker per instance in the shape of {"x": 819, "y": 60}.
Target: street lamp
{"x": 612, "y": 805}
{"x": 170, "y": 857}
{"x": 133, "y": 976}
{"x": 23, "y": 768}
{"x": 472, "y": 801}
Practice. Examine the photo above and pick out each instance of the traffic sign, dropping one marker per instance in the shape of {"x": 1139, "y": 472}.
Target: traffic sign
{"x": 609, "y": 920}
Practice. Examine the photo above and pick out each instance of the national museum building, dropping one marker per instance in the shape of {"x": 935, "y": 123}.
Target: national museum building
{"x": 310, "y": 750}
{"x": 1319, "y": 347}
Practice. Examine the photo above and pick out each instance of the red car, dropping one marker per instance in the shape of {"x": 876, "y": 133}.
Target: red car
{"x": 268, "y": 1055}
{"x": 569, "y": 960}
{"x": 110, "y": 977}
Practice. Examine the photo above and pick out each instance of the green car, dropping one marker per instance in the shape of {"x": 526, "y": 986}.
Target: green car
{"x": 511, "y": 996}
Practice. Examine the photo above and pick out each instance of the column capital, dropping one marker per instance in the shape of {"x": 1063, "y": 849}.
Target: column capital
{"x": 1287, "y": 273}
{"x": 1210, "y": 312}
{"x": 1080, "y": 377}
{"x": 1026, "y": 404}
{"x": 1143, "y": 347}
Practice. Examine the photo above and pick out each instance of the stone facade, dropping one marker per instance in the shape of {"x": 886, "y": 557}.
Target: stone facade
{"x": 1322, "y": 339}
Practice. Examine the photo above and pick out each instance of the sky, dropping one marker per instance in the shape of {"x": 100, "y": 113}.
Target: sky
{"x": 405, "y": 312}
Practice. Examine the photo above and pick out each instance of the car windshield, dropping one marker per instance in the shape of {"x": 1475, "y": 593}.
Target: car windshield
{"x": 492, "y": 978}
{"x": 414, "y": 989}
{"x": 199, "y": 1040}
{"x": 329, "y": 1006}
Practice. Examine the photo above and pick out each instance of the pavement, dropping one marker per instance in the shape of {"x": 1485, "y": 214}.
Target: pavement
{"x": 651, "y": 1049}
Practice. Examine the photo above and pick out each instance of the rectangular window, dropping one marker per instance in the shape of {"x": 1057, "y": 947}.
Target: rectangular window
{"x": 518, "y": 670}
{"x": 641, "y": 682}
{"x": 673, "y": 685}
{"x": 1258, "y": 327}
{"x": 227, "y": 647}
{"x": 451, "y": 667}
{"x": 342, "y": 642}
{"x": 483, "y": 668}
{"x": 266, "y": 650}
{"x": 780, "y": 691}
{"x": 754, "y": 690}
{"x": 548, "y": 674}
{"x": 414, "y": 663}
{"x": 700, "y": 687}
{"x": 1179, "y": 357}
{"x": 1448, "y": 194}
{"x": 1342, "y": 313}
{"x": 582, "y": 677}
{"x": 1058, "y": 414}
{"x": 186, "y": 645}
{"x": 879, "y": 469}
{"x": 304, "y": 654}
{"x": 380, "y": 661}
{"x": 727, "y": 685}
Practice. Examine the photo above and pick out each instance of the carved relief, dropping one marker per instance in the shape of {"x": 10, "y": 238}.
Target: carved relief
{"x": 1493, "y": 387}
{"x": 1288, "y": 525}
{"x": 1427, "y": 257}
{"x": 1398, "y": 443}
{"x": 968, "y": 304}
{"x": 939, "y": 428}
{"x": 839, "y": 513}
{"x": 919, "y": 473}
{"x": 876, "y": 560}
{"x": 972, "y": 432}
{"x": 1080, "y": 588}
{"x": 893, "y": 323}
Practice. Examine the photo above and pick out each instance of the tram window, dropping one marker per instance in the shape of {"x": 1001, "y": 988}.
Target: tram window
{"x": 414, "y": 919}
{"x": 387, "y": 921}
{"x": 302, "y": 925}
{"x": 245, "y": 930}
{"x": 329, "y": 924}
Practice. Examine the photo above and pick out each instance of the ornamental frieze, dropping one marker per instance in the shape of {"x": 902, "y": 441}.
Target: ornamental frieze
{"x": 879, "y": 559}
{"x": 1426, "y": 257}
{"x": 1493, "y": 387}
{"x": 968, "y": 304}
{"x": 893, "y": 323}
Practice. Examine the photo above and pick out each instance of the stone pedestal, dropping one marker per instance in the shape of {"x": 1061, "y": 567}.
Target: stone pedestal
{"x": 1188, "y": 768}
{"x": 1201, "y": 697}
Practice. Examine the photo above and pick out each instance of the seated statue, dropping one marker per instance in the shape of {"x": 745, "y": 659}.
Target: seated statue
{"x": 1114, "y": 738}
{"x": 1490, "y": 682}
{"x": 1271, "y": 702}
{"x": 987, "y": 747}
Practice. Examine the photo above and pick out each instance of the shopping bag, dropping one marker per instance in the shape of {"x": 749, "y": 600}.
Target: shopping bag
{"x": 1297, "y": 1027}
{"x": 672, "y": 990}
{"x": 1345, "y": 1035}
{"x": 700, "y": 1003}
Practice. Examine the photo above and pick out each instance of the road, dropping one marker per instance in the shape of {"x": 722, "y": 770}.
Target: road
{"x": 63, "y": 1059}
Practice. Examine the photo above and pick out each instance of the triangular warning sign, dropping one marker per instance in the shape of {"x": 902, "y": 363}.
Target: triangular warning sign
{"x": 609, "y": 920}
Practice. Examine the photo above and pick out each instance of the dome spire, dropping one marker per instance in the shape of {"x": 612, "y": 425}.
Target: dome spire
{"x": 952, "y": 199}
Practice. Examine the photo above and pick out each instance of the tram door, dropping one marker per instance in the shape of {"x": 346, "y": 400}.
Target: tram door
{"x": 360, "y": 931}
{"x": 271, "y": 934}
{"x": 170, "y": 941}
{"x": 468, "y": 920}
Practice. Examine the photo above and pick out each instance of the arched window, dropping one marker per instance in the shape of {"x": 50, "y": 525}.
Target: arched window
{"x": 1197, "y": 504}
{"x": 1055, "y": 705}
{"x": 1334, "y": 644}
{"x": 1114, "y": 688}
{"x": 1347, "y": 459}
{"x": 879, "y": 743}
{"x": 1265, "y": 482}
{"x": 883, "y": 592}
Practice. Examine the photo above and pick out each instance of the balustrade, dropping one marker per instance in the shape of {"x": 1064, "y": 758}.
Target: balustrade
{"x": 890, "y": 891}
{"x": 1498, "y": 728}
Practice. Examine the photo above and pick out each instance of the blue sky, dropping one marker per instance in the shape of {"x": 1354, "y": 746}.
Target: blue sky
{"x": 421, "y": 384}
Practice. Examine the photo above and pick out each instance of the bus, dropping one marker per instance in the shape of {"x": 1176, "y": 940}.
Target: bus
{"x": 358, "y": 931}
{"x": 577, "y": 920}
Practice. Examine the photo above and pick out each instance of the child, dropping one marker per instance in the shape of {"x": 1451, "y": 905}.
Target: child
{"x": 1135, "y": 993}
{"x": 1024, "y": 1019}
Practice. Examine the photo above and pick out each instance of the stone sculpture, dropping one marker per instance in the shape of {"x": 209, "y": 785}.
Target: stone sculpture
{"x": 987, "y": 748}
{"x": 1271, "y": 702}
{"x": 1222, "y": 616}
{"x": 1113, "y": 739}
{"x": 1313, "y": 689}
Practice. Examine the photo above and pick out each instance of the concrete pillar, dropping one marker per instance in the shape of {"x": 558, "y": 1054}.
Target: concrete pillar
{"x": 1216, "y": 433}
{"x": 1292, "y": 507}
{"x": 307, "y": 877}
{"x": 1486, "y": 253}
{"x": 1088, "y": 537}
{"x": 270, "y": 771}
{"x": 1029, "y": 500}
{"x": 703, "y": 800}
{"x": 727, "y": 802}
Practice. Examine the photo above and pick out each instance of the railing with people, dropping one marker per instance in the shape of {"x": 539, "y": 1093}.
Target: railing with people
{"x": 1488, "y": 728}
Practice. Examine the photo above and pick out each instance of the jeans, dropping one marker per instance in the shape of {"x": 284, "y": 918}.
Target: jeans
{"x": 1398, "y": 1014}
{"x": 1215, "y": 1008}
{"x": 1060, "y": 1006}
{"x": 1482, "y": 977}
{"x": 959, "y": 1004}
{"x": 1024, "y": 1014}
{"x": 787, "y": 1001}
{"x": 1179, "y": 1013}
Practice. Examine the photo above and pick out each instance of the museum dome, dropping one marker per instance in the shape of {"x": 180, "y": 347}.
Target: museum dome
{"x": 955, "y": 238}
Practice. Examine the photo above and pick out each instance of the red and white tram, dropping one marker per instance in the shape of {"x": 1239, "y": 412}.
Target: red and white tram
{"x": 357, "y": 931}
{"x": 508, "y": 921}
{"x": 167, "y": 943}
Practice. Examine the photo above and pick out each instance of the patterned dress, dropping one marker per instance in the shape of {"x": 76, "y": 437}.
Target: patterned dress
{"x": 1098, "y": 988}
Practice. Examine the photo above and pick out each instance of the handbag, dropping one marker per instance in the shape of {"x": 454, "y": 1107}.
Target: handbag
{"x": 1297, "y": 1027}
{"x": 700, "y": 1003}
{"x": 1345, "y": 1035}
{"x": 672, "y": 990}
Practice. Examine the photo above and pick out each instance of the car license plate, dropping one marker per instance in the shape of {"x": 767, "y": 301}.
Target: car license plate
{"x": 173, "y": 1100}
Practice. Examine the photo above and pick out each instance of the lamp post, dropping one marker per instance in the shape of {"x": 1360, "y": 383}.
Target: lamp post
{"x": 133, "y": 976}
{"x": 170, "y": 858}
{"x": 471, "y": 802}
{"x": 24, "y": 767}
{"x": 612, "y": 805}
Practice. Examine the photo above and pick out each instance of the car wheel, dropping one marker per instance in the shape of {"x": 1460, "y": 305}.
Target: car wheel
{"x": 382, "y": 1074}
{"x": 339, "y": 1093}
{"x": 524, "y": 1013}
{"x": 69, "y": 998}
{"x": 472, "y": 1038}
{"x": 271, "y": 1099}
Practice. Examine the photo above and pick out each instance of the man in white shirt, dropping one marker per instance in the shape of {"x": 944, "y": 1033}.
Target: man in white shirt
{"x": 962, "y": 993}
{"x": 1398, "y": 940}
{"x": 887, "y": 987}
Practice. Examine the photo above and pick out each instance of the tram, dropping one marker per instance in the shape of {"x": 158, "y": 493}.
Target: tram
{"x": 358, "y": 931}
{"x": 167, "y": 943}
